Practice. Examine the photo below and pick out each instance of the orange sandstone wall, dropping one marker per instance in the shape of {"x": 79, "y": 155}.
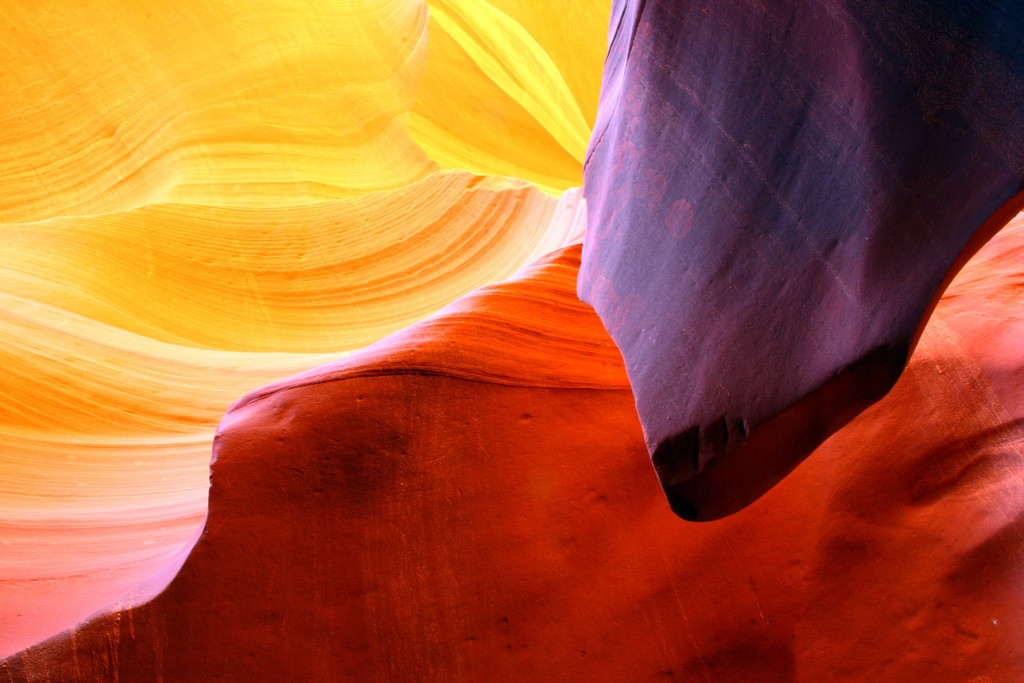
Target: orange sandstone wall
{"x": 197, "y": 199}
{"x": 429, "y": 509}
{"x": 200, "y": 201}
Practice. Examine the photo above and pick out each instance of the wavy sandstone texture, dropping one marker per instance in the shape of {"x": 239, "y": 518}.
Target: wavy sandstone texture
{"x": 777, "y": 192}
{"x": 509, "y": 87}
{"x": 428, "y": 509}
{"x": 198, "y": 199}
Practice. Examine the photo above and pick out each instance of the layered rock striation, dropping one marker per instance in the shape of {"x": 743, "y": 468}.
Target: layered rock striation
{"x": 446, "y": 507}
{"x": 470, "y": 498}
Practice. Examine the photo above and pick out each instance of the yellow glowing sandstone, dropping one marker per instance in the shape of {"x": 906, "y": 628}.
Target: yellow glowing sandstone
{"x": 198, "y": 198}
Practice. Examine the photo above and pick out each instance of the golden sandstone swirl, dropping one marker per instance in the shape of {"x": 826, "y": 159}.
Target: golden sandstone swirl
{"x": 200, "y": 198}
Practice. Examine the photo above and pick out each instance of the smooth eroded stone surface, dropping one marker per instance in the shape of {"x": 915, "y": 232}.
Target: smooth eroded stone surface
{"x": 776, "y": 194}
{"x": 330, "y": 276}
{"x": 123, "y": 338}
{"x": 470, "y": 500}
{"x": 199, "y": 198}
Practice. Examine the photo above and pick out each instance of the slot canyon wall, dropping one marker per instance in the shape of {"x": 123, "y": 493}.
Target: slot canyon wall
{"x": 359, "y": 224}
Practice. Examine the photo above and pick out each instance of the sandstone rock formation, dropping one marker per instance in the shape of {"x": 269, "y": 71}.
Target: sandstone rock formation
{"x": 777, "y": 193}
{"x": 197, "y": 199}
{"x": 201, "y": 200}
{"x": 442, "y": 508}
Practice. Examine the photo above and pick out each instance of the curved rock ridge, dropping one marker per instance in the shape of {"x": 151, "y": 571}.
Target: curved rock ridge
{"x": 492, "y": 335}
{"x": 777, "y": 195}
{"x": 409, "y": 523}
{"x": 191, "y": 195}
{"x": 104, "y": 447}
{"x": 197, "y": 200}
{"x": 106, "y": 432}
{"x": 196, "y": 186}
{"x": 982, "y": 307}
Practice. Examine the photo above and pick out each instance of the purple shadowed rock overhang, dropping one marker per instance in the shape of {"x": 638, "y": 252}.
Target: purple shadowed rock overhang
{"x": 777, "y": 194}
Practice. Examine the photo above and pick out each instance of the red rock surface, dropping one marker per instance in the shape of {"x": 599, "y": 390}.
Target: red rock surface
{"x": 777, "y": 193}
{"x": 470, "y": 500}
{"x": 199, "y": 198}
